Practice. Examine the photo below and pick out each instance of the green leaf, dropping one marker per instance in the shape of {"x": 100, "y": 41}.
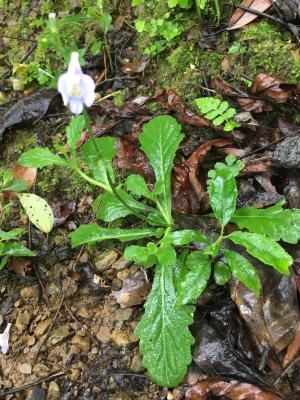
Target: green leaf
{"x": 140, "y": 25}
{"x": 186, "y": 236}
{"x": 165, "y": 339}
{"x": 142, "y": 255}
{"x": 166, "y": 255}
{"x": 195, "y": 280}
{"x": 40, "y": 157}
{"x": 106, "y": 149}
{"x": 159, "y": 141}
{"x": 136, "y": 184}
{"x": 243, "y": 270}
{"x": 74, "y": 130}
{"x": 93, "y": 233}
{"x": 38, "y": 210}
{"x": 264, "y": 248}
{"x": 223, "y": 191}
{"x": 274, "y": 222}
{"x": 111, "y": 208}
{"x": 18, "y": 250}
{"x": 222, "y": 273}
{"x": 11, "y": 235}
{"x": 7, "y": 177}
{"x": 17, "y": 186}
{"x": 3, "y": 261}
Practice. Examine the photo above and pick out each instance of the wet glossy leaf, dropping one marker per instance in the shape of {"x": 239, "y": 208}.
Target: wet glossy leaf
{"x": 265, "y": 249}
{"x": 160, "y": 140}
{"x": 136, "y": 184}
{"x": 11, "y": 235}
{"x": 106, "y": 149}
{"x": 93, "y": 233}
{"x": 18, "y": 250}
{"x": 243, "y": 270}
{"x": 40, "y": 157}
{"x": 185, "y": 236}
{"x": 17, "y": 186}
{"x": 195, "y": 281}
{"x": 38, "y": 210}
{"x": 274, "y": 222}
{"x": 166, "y": 255}
{"x": 222, "y": 273}
{"x": 74, "y": 130}
{"x": 165, "y": 339}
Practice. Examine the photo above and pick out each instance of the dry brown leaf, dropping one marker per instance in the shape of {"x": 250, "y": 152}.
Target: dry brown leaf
{"x": 135, "y": 66}
{"x": 233, "y": 390}
{"x": 293, "y": 348}
{"x": 241, "y": 18}
{"x": 20, "y": 265}
{"x": 26, "y": 174}
{"x": 270, "y": 87}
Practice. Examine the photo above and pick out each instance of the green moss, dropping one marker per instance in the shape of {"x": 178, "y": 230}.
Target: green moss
{"x": 269, "y": 50}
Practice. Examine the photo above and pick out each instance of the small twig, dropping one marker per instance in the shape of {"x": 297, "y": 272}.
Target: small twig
{"x": 286, "y": 370}
{"x": 30, "y": 385}
{"x": 117, "y": 78}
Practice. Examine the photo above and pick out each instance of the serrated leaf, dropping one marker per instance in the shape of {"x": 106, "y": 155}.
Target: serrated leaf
{"x": 40, "y": 157}
{"x": 222, "y": 273}
{"x": 38, "y": 210}
{"x": 136, "y": 184}
{"x": 111, "y": 208}
{"x": 17, "y": 186}
{"x": 74, "y": 130}
{"x": 263, "y": 248}
{"x": 159, "y": 141}
{"x": 243, "y": 270}
{"x": 165, "y": 339}
{"x": 185, "y": 236}
{"x": 93, "y": 233}
{"x": 223, "y": 191}
{"x": 195, "y": 280}
{"x": 17, "y": 250}
{"x": 274, "y": 222}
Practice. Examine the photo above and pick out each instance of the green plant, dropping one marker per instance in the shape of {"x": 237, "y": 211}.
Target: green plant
{"x": 218, "y": 112}
{"x": 181, "y": 272}
{"x": 10, "y": 245}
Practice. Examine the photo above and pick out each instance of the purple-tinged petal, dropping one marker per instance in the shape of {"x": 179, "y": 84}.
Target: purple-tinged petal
{"x": 76, "y": 105}
{"x": 88, "y": 90}
{"x": 74, "y": 65}
{"x": 62, "y": 87}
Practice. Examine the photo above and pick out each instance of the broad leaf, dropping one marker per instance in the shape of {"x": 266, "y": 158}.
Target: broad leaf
{"x": 243, "y": 270}
{"x": 166, "y": 255}
{"x": 265, "y": 249}
{"x": 186, "y": 236}
{"x": 274, "y": 222}
{"x": 17, "y": 186}
{"x": 137, "y": 185}
{"x": 106, "y": 146}
{"x": 74, "y": 130}
{"x": 38, "y": 210}
{"x": 93, "y": 233}
{"x": 145, "y": 255}
{"x": 165, "y": 339}
{"x": 222, "y": 273}
{"x": 222, "y": 189}
{"x": 18, "y": 250}
{"x": 195, "y": 280}
{"x": 11, "y": 235}
{"x": 160, "y": 140}
{"x": 40, "y": 157}
{"x": 111, "y": 208}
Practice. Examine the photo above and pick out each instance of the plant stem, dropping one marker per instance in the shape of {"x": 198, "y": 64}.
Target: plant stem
{"x": 110, "y": 181}
{"x": 92, "y": 181}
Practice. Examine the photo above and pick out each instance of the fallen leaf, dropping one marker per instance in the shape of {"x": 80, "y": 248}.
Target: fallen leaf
{"x": 26, "y": 174}
{"x": 135, "y": 66}
{"x": 271, "y": 87}
{"x": 135, "y": 290}
{"x": 293, "y": 348}
{"x": 20, "y": 265}
{"x": 62, "y": 210}
{"x": 241, "y": 18}
{"x": 233, "y": 390}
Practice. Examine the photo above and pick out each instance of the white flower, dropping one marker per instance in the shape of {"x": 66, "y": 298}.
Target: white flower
{"x": 77, "y": 89}
{"x": 4, "y": 339}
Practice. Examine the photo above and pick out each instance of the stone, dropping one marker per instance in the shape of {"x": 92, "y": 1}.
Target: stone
{"x": 105, "y": 260}
{"x": 31, "y": 340}
{"x": 23, "y": 320}
{"x": 59, "y": 334}
{"x": 121, "y": 263}
{"x": 42, "y": 327}
{"x": 123, "y": 314}
{"x": 123, "y": 338}
{"x": 28, "y": 292}
{"x": 103, "y": 334}
{"x": 53, "y": 391}
{"x": 83, "y": 313}
{"x": 287, "y": 153}
{"x": 81, "y": 342}
{"x": 25, "y": 368}
{"x": 136, "y": 365}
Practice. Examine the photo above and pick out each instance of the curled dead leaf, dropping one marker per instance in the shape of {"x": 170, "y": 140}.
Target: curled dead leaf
{"x": 241, "y": 17}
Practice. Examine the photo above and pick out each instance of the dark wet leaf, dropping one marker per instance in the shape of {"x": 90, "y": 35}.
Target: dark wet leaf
{"x": 7, "y": 304}
{"x": 293, "y": 348}
{"x": 268, "y": 86}
{"x": 92, "y": 280}
{"x": 28, "y": 109}
{"x": 241, "y": 18}
{"x": 288, "y": 10}
{"x": 233, "y": 390}
{"x": 62, "y": 210}
{"x": 20, "y": 265}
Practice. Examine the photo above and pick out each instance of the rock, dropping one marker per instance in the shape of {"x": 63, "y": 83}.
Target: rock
{"x": 105, "y": 260}
{"x": 123, "y": 338}
{"x": 59, "y": 334}
{"x": 30, "y": 340}
{"x": 136, "y": 365}
{"x": 104, "y": 334}
{"x": 42, "y": 327}
{"x": 83, "y": 313}
{"x": 23, "y": 320}
{"x": 121, "y": 264}
{"x": 81, "y": 342}
{"x": 123, "y": 314}
{"x": 287, "y": 153}
{"x": 53, "y": 391}
{"x": 25, "y": 368}
{"x": 28, "y": 292}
